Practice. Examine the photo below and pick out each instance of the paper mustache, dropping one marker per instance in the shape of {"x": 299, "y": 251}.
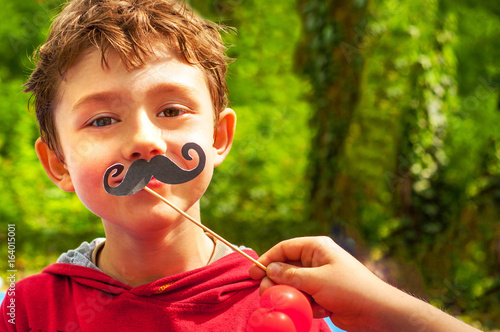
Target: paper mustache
{"x": 161, "y": 167}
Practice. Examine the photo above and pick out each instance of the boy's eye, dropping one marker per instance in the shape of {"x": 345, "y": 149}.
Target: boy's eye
{"x": 104, "y": 121}
{"x": 171, "y": 112}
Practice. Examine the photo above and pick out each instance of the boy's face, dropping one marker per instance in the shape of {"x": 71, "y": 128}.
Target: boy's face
{"x": 109, "y": 116}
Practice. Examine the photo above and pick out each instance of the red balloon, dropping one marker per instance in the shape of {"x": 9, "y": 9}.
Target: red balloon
{"x": 283, "y": 309}
{"x": 265, "y": 320}
{"x": 292, "y": 303}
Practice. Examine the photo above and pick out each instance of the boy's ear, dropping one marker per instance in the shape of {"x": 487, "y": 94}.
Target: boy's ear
{"x": 55, "y": 168}
{"x": 224, "y": 135}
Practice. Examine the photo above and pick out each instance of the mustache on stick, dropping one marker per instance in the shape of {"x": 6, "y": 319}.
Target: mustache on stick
{"x": 165, "y": 170}
{"x": 161, "y": 167}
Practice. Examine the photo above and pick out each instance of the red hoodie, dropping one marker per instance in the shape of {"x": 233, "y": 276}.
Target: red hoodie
{"x": 66, "y": 298}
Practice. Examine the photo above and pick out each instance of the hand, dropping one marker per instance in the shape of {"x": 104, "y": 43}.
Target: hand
{"x": 345, "y": 290}
{"x": 322, "y": 269}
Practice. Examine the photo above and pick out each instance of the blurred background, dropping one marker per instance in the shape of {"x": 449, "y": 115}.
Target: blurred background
{"x": 375, "y": 123}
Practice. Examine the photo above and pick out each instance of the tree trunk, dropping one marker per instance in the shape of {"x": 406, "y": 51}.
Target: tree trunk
{"x": 330, "y": 56}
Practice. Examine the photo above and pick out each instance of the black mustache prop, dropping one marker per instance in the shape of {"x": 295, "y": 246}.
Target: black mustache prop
{"x": 161, "y": 167}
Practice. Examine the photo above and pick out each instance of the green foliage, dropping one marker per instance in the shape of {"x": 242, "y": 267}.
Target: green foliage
{"x": 417, "y": 180}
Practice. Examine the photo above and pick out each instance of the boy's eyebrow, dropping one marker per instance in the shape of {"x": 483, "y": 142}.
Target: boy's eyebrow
{"x": 99, "y": 97}
{"x": 161, "y": 88}
{"x": 186, "y": 90}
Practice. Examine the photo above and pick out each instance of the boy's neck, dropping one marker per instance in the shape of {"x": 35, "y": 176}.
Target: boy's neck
{"x": 139, "y": 260}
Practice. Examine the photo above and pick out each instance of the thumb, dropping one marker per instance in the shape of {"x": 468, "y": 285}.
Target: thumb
{"x": 291, "y": 275}
{"x": 302, "y": 278}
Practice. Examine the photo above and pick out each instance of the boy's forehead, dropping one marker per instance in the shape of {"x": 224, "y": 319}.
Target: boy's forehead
{"x": 92, "y": 60}
{"x": 160, "y": 67}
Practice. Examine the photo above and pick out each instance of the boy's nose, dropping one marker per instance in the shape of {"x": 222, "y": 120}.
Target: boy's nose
{"x": 145, "y": 139}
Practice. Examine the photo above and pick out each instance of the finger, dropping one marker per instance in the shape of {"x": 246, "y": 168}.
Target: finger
{"x": 256, "y": 272}
{"x": 304, "y": 250}
{"x": 289, "y": 251}
{"x": 265, "y": 284}
{"x": 301, "y": 278}
{"x": 285, "y": 251}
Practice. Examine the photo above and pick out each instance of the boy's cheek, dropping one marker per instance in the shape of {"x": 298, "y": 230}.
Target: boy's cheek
{"x": 84, "y": 150}
{"x": 87, "y": 169}
{"x": 87, "y": 181}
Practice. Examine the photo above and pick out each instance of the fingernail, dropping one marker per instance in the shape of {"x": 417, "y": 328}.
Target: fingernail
{"x": 273, "y": 269}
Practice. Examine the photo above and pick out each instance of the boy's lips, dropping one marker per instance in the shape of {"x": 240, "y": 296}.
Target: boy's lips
{"x": 154, "y": 183}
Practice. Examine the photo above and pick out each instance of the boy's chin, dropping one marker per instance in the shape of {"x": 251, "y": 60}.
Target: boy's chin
{"x": 143, "y": 226}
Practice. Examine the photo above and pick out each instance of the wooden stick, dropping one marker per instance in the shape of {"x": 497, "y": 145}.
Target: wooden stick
{"x": 206, "y": 229}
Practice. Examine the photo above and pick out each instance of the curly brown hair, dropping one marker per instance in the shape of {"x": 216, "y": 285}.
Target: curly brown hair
{"x": 127, "y": 27}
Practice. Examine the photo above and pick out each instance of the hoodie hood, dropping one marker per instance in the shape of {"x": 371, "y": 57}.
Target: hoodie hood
{"x": 82, "y": 255}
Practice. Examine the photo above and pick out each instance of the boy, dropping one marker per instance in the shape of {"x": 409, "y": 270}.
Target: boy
{"x": 118, "y": 81}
